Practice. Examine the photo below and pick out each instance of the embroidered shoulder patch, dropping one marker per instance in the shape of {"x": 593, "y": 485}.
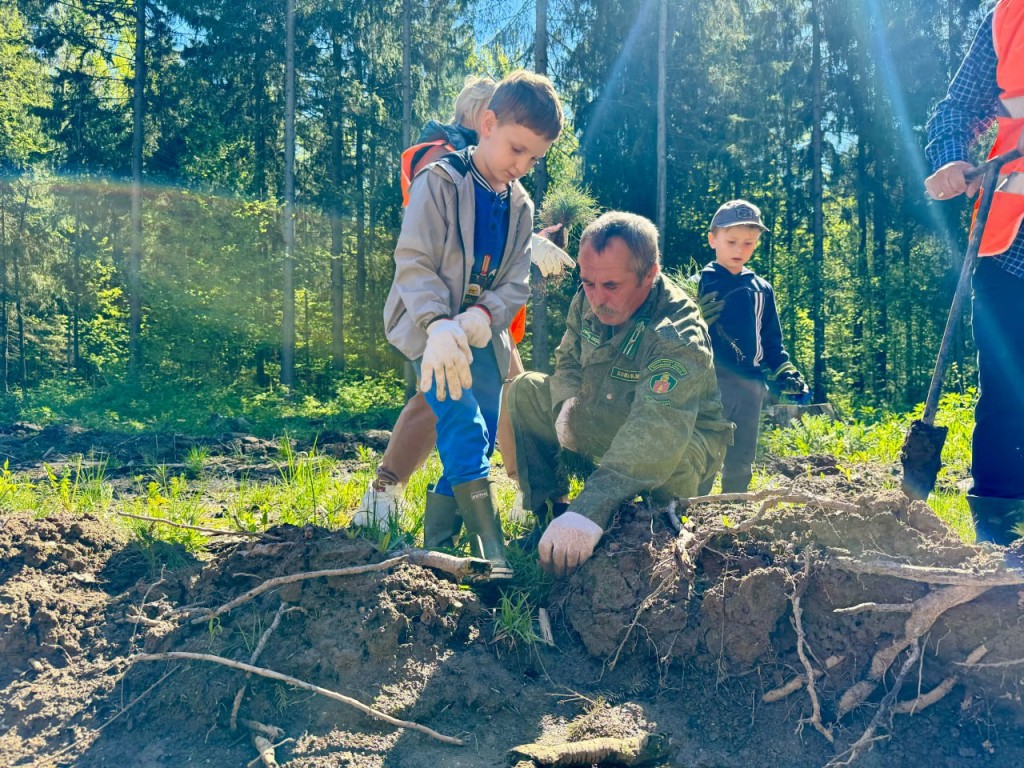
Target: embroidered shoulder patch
{"x": 590, "y": 336}
{"x": 623, "y": 375}
{"x": 663, "y": 383}
{"x": 668, "y": 364}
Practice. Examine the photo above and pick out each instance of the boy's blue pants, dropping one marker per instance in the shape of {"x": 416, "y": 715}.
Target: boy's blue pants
{"x": 466, "y": 428}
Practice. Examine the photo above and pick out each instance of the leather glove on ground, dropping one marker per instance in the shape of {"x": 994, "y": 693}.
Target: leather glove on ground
{"x": 791, "y": 383}
{"x": 549, "y": 258}
{"x": 568, "y": 543}
{"x": 476, "y": 323}
{"x": 710, "y": 307}
{"x": 446, "y": 360}
{"x": 565, "y": 438}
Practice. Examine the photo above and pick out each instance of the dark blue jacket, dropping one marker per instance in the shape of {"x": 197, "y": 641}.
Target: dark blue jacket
{"x": 747, "y": 337}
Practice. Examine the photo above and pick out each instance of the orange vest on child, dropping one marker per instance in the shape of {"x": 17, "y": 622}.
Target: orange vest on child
{"x": 1007, "y": 211}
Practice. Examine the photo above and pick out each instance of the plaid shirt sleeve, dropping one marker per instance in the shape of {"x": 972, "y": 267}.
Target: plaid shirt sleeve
{"x": 970, "y": 105}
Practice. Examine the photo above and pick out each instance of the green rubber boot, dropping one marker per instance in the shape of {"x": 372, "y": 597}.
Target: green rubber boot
{"x": 441, "y": 521}
{"x": 476, "y": 500}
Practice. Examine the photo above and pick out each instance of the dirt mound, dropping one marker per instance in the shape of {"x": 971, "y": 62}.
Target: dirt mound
{"x": 688, "y": 648}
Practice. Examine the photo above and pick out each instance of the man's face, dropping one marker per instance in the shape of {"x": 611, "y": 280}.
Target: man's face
{"x": 507, "y": 151}
{"x": 610, "y": 283}
{"x": 734, "y": 246}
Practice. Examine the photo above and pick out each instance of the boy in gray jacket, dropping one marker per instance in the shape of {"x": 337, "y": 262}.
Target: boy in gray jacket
{"x": 462, "y": 266}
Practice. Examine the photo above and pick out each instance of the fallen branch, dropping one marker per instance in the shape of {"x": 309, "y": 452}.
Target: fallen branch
{"x": 271, "y": 674}
{"x": 941, "y": 690}
{"x": 200, "y": 528}
{"x": 462, "y": 568}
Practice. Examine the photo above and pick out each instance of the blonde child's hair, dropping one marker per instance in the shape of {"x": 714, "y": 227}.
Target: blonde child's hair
{"x": 472, "y": 101}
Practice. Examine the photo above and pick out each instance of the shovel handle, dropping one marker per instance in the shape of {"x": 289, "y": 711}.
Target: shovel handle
{"x": 998, "y": 162}
{"x": 988, "y": 171}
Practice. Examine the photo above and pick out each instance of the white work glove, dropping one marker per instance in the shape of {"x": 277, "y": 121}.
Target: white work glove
{"x": 477, "y": 325}
{"x": 549, "y": 258}
{"x": 565, "y": 438}
{"x": 568, "y": 543}
{"x": 446, "y": 360}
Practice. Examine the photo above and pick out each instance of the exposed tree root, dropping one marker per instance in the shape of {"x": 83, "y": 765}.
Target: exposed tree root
{"x": 282, "y": 609}
{"x": 271, "y": 674}
{"x": 462, "y": 567}
{"x": 936, "y": 694}
{"x": 929, "y": 575}
{"x": 923, "y": 615}
{"x": 799, "y": 585}
{"x": 885, "y": 710}
{"x": 798, "y": 682}
{"x": 635, "y": 750}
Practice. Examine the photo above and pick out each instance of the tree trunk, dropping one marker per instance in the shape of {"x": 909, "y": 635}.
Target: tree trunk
{"x": 4, "y": 288}
{"x": 135, "y": 261}
{"x": 880, "y": 240}
{"x": 817, "y": 200}
{"x": 337, "y": 231}
{"x": 406, "y": 73}
{"x": 662, "y": 127}
{"x": 288, "y": 313}
{"x": 539, "y": 320}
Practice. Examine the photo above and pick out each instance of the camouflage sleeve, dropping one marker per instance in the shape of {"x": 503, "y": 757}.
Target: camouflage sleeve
{"x": 667, "y": 401}
{"x": 568, "y": 376}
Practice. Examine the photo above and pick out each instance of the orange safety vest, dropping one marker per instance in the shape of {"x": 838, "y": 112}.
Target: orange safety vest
{"x": 1007, "y": 211}
{"x": 418, "y": 157}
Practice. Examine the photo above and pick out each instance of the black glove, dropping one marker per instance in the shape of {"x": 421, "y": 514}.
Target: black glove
{"x": 791, "y": 383}
{"x": 710, "y": 307}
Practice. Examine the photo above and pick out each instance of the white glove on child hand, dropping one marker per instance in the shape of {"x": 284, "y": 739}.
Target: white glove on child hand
{"x": 549, "y": 258}
{"x": 477, "y": 325}
{"x": 565, "y": 437}
{"x": 568, "y": 543}
{"x": 446, "y": 360}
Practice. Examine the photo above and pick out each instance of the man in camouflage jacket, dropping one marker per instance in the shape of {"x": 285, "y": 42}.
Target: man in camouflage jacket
{"x": 634, "y": 389}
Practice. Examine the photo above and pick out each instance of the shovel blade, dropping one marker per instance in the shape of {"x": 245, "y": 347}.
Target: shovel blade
{"x": 921, "y": 456}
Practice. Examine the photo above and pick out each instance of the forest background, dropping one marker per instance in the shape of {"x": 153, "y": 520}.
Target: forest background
{"x": 189, "y": 228}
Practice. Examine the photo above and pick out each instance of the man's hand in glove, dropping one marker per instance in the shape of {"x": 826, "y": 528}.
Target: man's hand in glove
{"x": 549, "y": 258}
{"x": 565, "y": 438}
{"x": 477, "y": 325}
{"x": 710, "y": 307}
{"x": 791, "y": 383}
{"x": 446, "y": 360}
{"x": 568, "y": 543}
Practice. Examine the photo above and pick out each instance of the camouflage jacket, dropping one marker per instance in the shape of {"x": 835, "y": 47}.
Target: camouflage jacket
{"x": 647, "y": 396}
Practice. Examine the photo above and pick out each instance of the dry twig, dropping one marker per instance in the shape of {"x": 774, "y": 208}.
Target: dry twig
{"x": 200, "y": 528}
{"x": 282, "y": 609}
{"x": 271, "y": 674}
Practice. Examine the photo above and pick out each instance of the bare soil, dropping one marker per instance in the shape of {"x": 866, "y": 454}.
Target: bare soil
{"x": 678, "y": 637}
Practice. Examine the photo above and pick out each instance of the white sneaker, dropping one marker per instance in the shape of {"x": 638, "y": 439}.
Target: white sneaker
{"x": 378, "y": 505}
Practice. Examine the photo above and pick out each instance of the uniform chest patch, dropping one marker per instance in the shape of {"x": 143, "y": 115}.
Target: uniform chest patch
{"x": 663, "y": 383}
{"x": 590, "y": 336}
{"x": 624, "y": 375}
